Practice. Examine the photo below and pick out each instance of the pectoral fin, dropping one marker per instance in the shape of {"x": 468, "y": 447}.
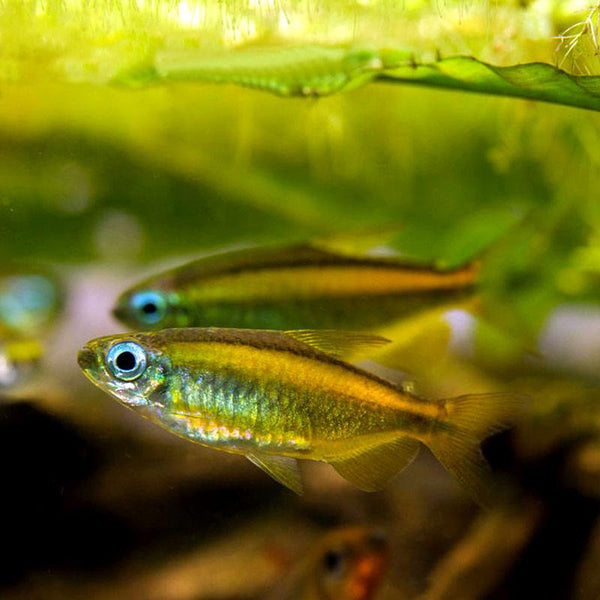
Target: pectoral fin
{"x": 371, "y": 470}
{"x": 281, "y": 468}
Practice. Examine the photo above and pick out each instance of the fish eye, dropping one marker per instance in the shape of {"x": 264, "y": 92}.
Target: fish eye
{"x": 334, "y": 561}
{"x": 126, "y": 360}
{"x": 149, "y": 306}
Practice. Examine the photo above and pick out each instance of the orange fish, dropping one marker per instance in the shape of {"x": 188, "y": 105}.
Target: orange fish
{"x": 347, "y": 564}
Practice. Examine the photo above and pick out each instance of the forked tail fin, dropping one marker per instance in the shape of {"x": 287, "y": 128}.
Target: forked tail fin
{"x": 468, "y": 421}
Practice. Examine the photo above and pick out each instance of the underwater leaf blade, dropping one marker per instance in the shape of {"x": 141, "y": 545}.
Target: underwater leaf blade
{"x": 324, "y": 70}
{"x": 285, "y": 71}
{"x": 535, "y": 81}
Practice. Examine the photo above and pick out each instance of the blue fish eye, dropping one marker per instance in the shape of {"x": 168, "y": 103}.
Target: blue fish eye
{"x": 126, "y": 360}
{"x": 149, "y": 306}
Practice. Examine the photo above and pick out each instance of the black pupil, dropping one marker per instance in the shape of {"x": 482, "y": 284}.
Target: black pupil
{"x": 333, "y": 561}
{"x": 149, "y": 308}
{"x": 126, "y": 361}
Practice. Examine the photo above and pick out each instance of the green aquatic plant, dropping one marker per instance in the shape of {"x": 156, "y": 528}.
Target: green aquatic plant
{"x": 579, "y": 44}
{"x": 320, "y": 71}
{"x": 536, "y": 81}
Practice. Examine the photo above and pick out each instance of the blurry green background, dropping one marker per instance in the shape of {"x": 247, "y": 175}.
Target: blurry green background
{"x": 91, "y": 171}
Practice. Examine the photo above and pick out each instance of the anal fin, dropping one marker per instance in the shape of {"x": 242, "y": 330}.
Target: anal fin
{"x": 281, "y": 468}
{"x": 371, "y": 470}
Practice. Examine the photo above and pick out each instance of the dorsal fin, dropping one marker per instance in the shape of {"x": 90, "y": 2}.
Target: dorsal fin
{"x": 348, "y": 243}
{"x": 338, "y": 343}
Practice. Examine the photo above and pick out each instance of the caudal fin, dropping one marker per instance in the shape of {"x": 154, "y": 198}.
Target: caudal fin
{"x": 469, "y": 420}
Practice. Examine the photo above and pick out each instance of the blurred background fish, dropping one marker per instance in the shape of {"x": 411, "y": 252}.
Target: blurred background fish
{"x": 19, "y": 359}
{"x": 30, "y": 300}
{"x": 346, "y": 564}
{"x": 294, "y": 287}
{"x": 30, "y": 303}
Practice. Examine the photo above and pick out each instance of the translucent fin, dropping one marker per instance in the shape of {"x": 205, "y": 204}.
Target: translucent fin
{"x": 402, "y": 379}
{"x": 348, "y": 243}
{"x": 420, "y": 340}
{"x": 371, "y": 470}
{"x": 281, "y": 468}
{"x": 338, "y": 343}
{"x": 469, "y": 420}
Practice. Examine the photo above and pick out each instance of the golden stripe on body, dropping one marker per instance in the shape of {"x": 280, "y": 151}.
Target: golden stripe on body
{"x": 313, "y": 281}
{"x": 315, "y": 374}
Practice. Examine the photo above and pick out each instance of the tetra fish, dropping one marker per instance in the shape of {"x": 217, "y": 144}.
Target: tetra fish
{"x": 348, "y": 563}
{"x": 297, "y": 287}
{"x": 276, "y": 397}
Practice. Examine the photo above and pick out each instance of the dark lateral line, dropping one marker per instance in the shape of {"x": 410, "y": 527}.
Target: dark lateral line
{"x": 335, "y": 261}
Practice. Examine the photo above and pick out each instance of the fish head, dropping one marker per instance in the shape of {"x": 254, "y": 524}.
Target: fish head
{"x": 149, "y": 307}
{"x": 132, "y": 368}
{"x": 351, "y": 563}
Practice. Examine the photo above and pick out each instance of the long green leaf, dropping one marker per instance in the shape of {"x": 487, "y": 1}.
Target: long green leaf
{"x": 320, "y": 71}
{"x": 283, "y": 70}
{"x": 537, "y": 81}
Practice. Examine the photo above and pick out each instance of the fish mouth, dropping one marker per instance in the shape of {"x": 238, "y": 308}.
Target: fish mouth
{"x": 119, "y": 312}
{"x": 86, "y": 358}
